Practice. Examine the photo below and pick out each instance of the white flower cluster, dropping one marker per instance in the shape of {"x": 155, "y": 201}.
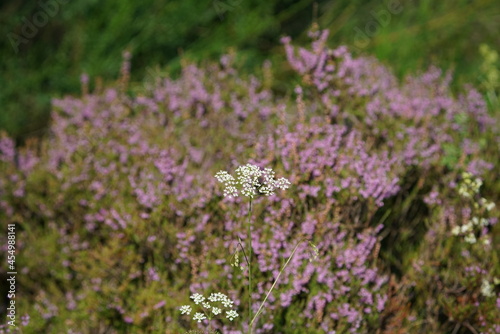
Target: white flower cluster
{"x": 484, "y": 203}
{"x": 487, "y": 289}
{"x": 469, "y": 186}
{"x": 186, "y": 309}
{"x": 467, "y": 189}
{"x": 210, "y": 308}
{"x": 220, "y": 297}
{"x": 251, "y": 181}
{"x": 229, "y": 183}
{"x": 468, "y": 229}
{"x": 197, "y": 298}
{"x": 199, "y": 317}
{"x": 231, "y": 315}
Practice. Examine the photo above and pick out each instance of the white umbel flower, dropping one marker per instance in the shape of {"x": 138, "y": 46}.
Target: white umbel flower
{"x": 186, "y": 309}
{"x": 210, "y": 307}
{"x": 231, "y": 315}
{"x": 199, "y": 317}
{"x": 197, "y": 298}
{"x": 227, "y": 302}
{"x": 251, "y": 181}
{"x": 217, "y": 297}
{"x": 229, "y": 182}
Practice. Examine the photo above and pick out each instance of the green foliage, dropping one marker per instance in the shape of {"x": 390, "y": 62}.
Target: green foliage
{"x": 490, "y": 75}
{"x": 90, "y": 36}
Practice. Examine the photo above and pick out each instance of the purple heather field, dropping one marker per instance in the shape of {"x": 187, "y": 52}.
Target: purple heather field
{"x": 390, "y": 213}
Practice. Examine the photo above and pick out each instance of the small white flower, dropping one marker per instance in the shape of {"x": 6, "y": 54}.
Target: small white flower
{"x": 199, "y": 317}
{"x": 251, "y": 180}
{"x": 455, "y": 230}
{"x": 213, "y": 297}
{"x": 487, "y": 289}
{"x": 231, "y": 315}
{"x": 282, "y": 183}
{"x": 489, "y": 206}
{"x": 466, "y": 228}
{"x": 186, "y": 309}
{"x": 227, "y": 302}
{"x": 230, "y": 191}
{"x": 470, "y": 238}
{"x": 468, "y": 186}
{"x": 229, "y": 182}
{"x": 225, "y": 177}
{"x": 216, "y": 297}
{"x": 197, "y": 298}
{"x": 215, "y": 310}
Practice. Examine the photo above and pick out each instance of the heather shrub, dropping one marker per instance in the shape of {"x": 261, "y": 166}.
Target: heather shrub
{"x": 456, "y": 267}
{"x": 120, "y": 219}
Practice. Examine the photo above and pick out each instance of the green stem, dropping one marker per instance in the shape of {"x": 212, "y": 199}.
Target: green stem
{"x": 249, "y": 237}
{"x": 276, "y": 281}
{"x": 240, "y": 243}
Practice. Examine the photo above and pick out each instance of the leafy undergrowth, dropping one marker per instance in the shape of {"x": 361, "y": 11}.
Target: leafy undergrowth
{"x": 119, "y": 217}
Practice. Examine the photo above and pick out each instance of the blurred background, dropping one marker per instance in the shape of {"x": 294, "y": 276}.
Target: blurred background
{"x": 47, "y": 45}
{"x": 399, "y": 161}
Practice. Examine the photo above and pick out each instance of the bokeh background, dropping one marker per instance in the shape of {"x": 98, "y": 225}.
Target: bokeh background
{"x": 90, "y": 36}
{"x": 116, "y": 115}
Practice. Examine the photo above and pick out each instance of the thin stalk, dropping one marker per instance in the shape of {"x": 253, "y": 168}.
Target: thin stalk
{"x": 240, "y": 243}
{"x": 275, "y": 281}
{"x": 249, "y": 237}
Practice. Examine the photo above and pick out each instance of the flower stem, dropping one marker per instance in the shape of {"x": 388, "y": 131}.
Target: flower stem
{"x": 276, "y": 281}
{"x": 249, "y": 237}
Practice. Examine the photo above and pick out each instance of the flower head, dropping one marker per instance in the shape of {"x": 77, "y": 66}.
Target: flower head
{"x": 199, "y": 317}
{"x": 209, "y": 304}
{"x": 197, "y": 298}
{"x": 231, "y": 315}
{"x": 469, "y": 185}
{"x": 186, "y": 309}
{"x": 229, "y": 183}
{"x": 251, "y": 181}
